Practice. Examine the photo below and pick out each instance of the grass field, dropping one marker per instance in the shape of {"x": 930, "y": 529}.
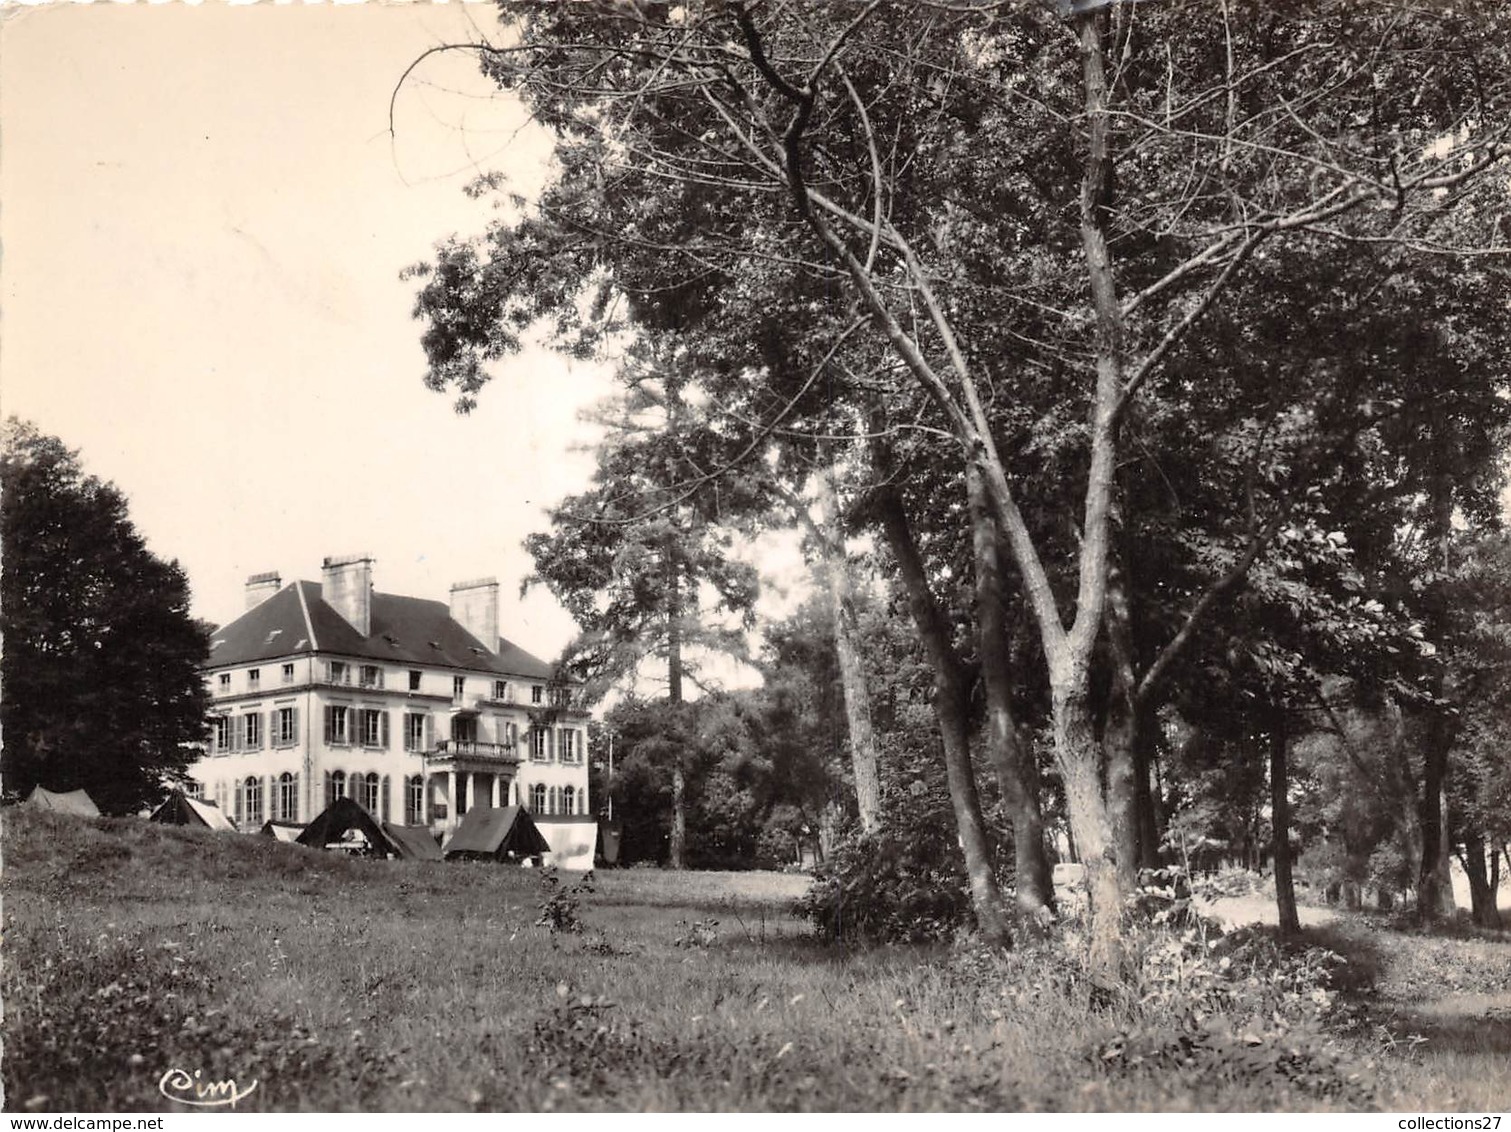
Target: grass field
{"x": 335, "y": 984}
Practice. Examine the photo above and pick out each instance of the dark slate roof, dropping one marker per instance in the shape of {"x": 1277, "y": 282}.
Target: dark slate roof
{"x": 273, "y": 629}
{"x": 405, "y": 630}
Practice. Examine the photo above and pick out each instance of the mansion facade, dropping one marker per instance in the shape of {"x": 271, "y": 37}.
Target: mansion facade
{"x": 416, "y": 709}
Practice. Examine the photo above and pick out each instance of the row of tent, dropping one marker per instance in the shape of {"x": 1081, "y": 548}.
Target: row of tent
{"x": 487, "y": 833}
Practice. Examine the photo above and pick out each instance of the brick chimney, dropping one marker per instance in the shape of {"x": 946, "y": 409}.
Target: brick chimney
{"x": 474, "y": 606}
{"x": 260, "y": 587}
{"x": 347, "y": 587}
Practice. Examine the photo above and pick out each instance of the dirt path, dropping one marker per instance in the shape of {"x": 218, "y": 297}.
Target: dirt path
{"x": 1239, "y": 911}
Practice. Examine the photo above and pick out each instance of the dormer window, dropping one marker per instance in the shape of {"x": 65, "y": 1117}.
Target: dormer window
{"x": 370, "y": 676}
{"x": 339, "y": 672}
{"x": 458, "y": 687}
{"x": 501, "y": 690}
{"x": 537, "y": 693}
{"x": 254, "y": 679}
{"x": 414, "y": 679}
{"x": 224, "y": 682}
{"x": 288, "y": 673}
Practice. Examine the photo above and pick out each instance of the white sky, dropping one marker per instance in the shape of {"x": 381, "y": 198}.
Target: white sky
{"x": 204, "y": 220}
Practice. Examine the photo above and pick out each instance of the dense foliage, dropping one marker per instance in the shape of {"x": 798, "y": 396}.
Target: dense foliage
{"x": 1139, "y": 338}
{"x": 102, "y": 684}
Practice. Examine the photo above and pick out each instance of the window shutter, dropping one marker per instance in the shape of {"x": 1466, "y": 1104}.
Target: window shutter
{"x": 268, "y": 786}
{"x": 330, "y": 726}
{"x": 294, "y": 802}
{"x": 330, "y": 789}
{"x": 429, "y": 733}
{"x": 294, "y": 742}
{"x": 387, "y": 796}
{"x": 383, "y": 739}
{"x": 272, "y": 731}
{"x": 551, "y": 745}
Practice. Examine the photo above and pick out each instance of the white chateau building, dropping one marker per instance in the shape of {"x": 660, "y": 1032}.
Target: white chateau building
{"x": 417, "y": 709}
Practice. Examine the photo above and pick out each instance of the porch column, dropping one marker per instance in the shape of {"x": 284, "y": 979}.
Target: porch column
{"x": 451, "y": 818}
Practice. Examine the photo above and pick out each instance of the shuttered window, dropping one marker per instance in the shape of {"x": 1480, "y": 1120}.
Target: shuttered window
{"x": 337, "y": 725}
{"x": 283, "y": 724}
{"x": 373, "y": 725}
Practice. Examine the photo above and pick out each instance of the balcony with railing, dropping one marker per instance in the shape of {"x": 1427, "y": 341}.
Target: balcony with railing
{"x": 472, "y": 751}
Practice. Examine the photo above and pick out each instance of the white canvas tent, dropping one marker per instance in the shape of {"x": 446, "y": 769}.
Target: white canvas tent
{"x": 180, "y": 809}
{"x": 74, "y": 802}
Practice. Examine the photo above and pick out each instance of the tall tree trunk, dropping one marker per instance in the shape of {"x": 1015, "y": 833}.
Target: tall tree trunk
{"x": 852, "y": 673}
{"x": 1012, "y": 760}
{"x": 1482, "y": 894}
{"x": 1401, "y": 785}
{"x": 950, "y": 700}
{"x": 1495, "y": 879}
{"x": 1434, "y": 884}
{"x": 676, "y": 856}
{"x": 1280, "y": 823}
{"x": 1076, "y": 747}
{"x": 1155, "y": 814}
{"x": 1150, "y": 833}
{"x": 1121, "y": 738}
{"x": 1076, "y": 753}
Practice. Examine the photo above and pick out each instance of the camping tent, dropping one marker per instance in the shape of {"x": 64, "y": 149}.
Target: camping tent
{"x": 346, "y": 826}
{"x": 281, "y": 830}
{"x": 74, "y": 802}
{"x": 496, "y": 833}
{"x": 415, "y": 840}
{"x": 180, "y": 809}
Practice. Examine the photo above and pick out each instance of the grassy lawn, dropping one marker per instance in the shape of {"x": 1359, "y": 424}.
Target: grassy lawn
{"x": 339, "y": 984}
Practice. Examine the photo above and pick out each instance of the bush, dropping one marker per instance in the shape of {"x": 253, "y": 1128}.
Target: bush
{"x": 560, "y": 905}
{"x": 1209, "y": 1008}
{"x": 904, "y": 883}
{"x": 878, "y": 888}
